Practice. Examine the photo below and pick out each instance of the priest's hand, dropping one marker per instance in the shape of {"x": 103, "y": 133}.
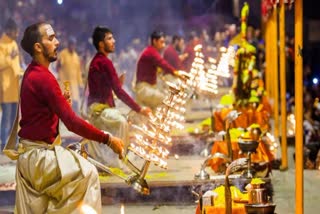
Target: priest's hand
{"x": 182, "y": 57}
{"x": 67, "y": 95}
{"x": 122, "y": 78}
{"x": 146, "y": 111}
{"x": 182, "y": 74}
{"x": 116, "y": 144}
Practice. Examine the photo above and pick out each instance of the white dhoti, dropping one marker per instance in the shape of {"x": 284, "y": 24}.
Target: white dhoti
{"x": 52, "y": 179}
{"x": 112, "y": 121}
{"x": 149, "y": 95}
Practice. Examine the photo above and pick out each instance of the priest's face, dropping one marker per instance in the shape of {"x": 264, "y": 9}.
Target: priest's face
{"x": 109, "y": 43}
{"x": 180, "y": 45}
{"x": 159, "y": 44}
{"x": 49, "y": 43}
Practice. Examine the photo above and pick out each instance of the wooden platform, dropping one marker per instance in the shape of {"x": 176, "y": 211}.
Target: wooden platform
{"x": 180, "y": 173}
{"x": 174, "y": 185}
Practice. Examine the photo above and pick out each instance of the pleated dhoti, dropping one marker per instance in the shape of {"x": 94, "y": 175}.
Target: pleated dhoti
{"x": 52, "y": 179}
{"x": 149, "y": 95}
{"x": 112, "y": 121}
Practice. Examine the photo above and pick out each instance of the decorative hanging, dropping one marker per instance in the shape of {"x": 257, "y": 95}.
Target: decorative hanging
{"x": 268, "y": 5}
{"x": 289, "y": 3}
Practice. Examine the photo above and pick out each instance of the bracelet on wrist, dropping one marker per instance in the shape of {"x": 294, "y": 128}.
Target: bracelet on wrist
{"x": 108, "y": 142}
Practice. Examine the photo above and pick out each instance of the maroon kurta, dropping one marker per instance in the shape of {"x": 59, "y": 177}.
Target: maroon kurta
{"x": 172, "y": 57}
{"x": 43, "y": 104}
{"x": 187, "y": 63}
{"x": 147, "y": 65}
{"x": 189, "y": 60}
{"x": 102, "y": 80}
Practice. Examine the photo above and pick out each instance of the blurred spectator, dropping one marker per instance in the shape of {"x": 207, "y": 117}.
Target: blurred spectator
{"x": 217, "y": 43}
{"x": 86, "y": 59}
{"x": 250, "y": 36}
{"x": 173, "y": 55}
{"x": 231, "y": 32}
{"x": 10, "y": 71}
{"x": 259, "y": 43}
{"x": 192, "y": 42}
{"x": 290, "y": 64}
{"x": 69, "y": 69}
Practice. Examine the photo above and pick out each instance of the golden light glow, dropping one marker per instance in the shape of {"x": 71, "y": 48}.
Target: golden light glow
{"x": 86, "y": 209}
{"x": 223, "y": 49}
{"x": 122, "y": 209}
{"x": 153, "y": 138}
{"x": 226, "y": 60}
{"x": 203, "y": 80}
{"x": 197, "y": 47}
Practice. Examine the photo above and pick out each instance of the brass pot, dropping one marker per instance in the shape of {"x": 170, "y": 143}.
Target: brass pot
{"x": 257, "y": 196}
{"x": 260, "y": 208}
{"x": 248, "y": 145}
{"x": 206, "y": 201}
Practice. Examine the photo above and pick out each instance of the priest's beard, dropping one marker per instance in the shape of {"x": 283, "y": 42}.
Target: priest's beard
{"x": 50, "y": 58}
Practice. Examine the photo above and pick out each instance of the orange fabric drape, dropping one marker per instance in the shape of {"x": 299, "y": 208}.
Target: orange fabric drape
{"x": 262, "y": 155}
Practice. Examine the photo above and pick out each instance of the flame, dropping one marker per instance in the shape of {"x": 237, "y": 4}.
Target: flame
{"x": 271, "y": 137}
{"x": 227, "y": 58}
{"x": 212, "y": 60}
{"x": 122, "y": 209}
{"x": 149, "y": 143}
{"x": 86, "y": 209}
{"x": 197, "y": 47}
{"x": 290, "y": 132}
{"x": 223, "y": 49}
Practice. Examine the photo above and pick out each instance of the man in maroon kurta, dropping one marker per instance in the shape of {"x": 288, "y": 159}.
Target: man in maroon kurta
{"x": 43, "y": 104}
{"x": 189, "y": 50}
{"x": 54, "y": 170}
{"x": 172, "y": 53}
{"x": 102, "y": 81}
{"x": 146, "y": 77}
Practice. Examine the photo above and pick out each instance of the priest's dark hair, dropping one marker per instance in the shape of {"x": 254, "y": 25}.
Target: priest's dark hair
{"x": 31, "y": 36}
{"x": 98, "y": 35}
{"x": 156, "y": 35}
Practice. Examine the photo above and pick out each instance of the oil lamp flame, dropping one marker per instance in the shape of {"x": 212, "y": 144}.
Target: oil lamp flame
{"x": 86, "y": 209}
{"x": 122, "y": 209}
